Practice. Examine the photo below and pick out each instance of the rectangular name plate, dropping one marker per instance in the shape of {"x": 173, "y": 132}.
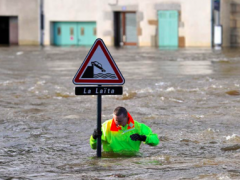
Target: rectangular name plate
{"x": 103, "y": 90}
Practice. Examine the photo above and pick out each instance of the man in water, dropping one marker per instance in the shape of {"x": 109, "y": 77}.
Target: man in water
{"x": 123, "y": 134}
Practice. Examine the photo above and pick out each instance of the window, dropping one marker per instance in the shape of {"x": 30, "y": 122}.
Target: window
{"x": 82, "y": 31}
{"x": 71, "y": 31}
{"x": 59, "y": 31}
{"x": 94, "y": 31}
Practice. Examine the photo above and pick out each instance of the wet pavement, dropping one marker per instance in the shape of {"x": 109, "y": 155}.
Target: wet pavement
{"x": 189, "y": 97}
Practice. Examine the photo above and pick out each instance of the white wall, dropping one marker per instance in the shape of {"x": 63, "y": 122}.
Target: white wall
{"x": 197, "y": 17}
{"x": 195, "y": 23}
{"x": 68, "y": 10}
{"x": 28, "y": 19}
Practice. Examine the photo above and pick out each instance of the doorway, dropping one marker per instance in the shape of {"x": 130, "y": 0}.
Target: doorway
{"x": 125, "y": 29}
{"x": 4, "y": 30}
{"x": 8, "y": 30}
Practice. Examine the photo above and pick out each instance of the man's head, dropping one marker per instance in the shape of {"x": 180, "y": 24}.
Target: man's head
{"x": 120, "y": 116}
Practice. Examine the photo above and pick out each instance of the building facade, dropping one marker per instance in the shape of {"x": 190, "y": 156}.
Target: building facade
{"x": 164, "y": 23}
{"x": 19, "y": 22}
{"x": 230, "y": 20}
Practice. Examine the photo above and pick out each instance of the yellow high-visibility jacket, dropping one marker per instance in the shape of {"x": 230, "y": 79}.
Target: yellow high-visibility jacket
{"x": 117, "y": 139}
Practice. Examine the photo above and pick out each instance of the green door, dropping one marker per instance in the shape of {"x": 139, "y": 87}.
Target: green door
{"x": 57, "y": 33}
{"x": 168, "y": 28}
{"x": 86, "y": 33}
{"x": 65, "y": 33}
{"x": 74, "y": 33}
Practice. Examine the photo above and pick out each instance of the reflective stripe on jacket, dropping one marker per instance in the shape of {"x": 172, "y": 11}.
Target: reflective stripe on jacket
{"x": 117, "y": 139}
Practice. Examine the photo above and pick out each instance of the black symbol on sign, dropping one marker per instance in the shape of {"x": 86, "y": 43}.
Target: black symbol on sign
{"x": 89, "y": 73}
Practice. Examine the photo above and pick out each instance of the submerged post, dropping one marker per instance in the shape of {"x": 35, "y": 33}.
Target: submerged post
{"x": 99, "y": 122}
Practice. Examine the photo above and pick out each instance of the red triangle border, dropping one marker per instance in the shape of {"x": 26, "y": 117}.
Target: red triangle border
{"x": 78, "y": 81}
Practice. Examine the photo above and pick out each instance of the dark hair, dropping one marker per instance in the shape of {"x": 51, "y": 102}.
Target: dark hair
{"x": 120, "y": 110}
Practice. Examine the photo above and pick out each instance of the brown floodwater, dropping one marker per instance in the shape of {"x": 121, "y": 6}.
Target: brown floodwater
{"x": 189, "y": 97}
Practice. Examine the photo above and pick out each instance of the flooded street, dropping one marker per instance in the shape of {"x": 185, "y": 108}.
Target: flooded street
{"x": 189, "y": 97}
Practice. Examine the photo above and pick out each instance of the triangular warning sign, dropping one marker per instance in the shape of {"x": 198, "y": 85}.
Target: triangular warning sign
{"x": 98, "y": 67}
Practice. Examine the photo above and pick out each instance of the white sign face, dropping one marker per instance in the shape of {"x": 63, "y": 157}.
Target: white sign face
{"x": 98, "y": 67}
{"x": 218, "y": 35}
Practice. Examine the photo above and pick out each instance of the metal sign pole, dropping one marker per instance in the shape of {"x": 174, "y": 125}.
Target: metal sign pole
{"x": 99, "y": 123}
{"x": 85, "y": 76}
